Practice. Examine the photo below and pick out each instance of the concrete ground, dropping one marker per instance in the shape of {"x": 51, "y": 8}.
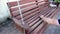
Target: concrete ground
{"x": 8, "y": 28}
{"x": 52, "y": 29}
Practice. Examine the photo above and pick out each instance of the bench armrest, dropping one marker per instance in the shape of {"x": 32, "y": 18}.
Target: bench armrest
{"x": 19, "y": 23}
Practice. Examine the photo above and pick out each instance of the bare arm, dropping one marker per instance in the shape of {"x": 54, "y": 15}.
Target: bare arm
{"x": 50, "y": 20}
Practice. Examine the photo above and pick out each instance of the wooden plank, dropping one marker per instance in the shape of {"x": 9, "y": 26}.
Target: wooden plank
{"x": 11, "y": 4}
{"x": 25, "y": 1}
{"x": 18, "y": 17}
{"x": 33, "y": 19}
{"x": 54, "y": 13}
{"x": 16, "y": 13}
{"x": 46, "y": 11}
{"x": 27, "y": 17}
{"x": 30, "y": 12}
{"x": 28, "y": 8}
{"x": 35, "y": 26}
{"x": 34, "y": 22}
{"x": 14, "y": 9}
{"x": 27, "y": 4}
{"x": 51, "y": 12}
{"x": 42, "y": 28}
{"x": 27, "y": 21}
{"x": 38, "y": 28}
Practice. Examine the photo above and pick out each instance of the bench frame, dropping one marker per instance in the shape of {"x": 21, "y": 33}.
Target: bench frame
{"x": 21, "y": 26}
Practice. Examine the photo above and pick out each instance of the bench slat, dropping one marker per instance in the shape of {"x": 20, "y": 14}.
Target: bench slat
{"x": 25, "y": 1}
{"x": 35, "y": 26}
{"x": 11, "y": 4}
{"x": 34, "y": 22}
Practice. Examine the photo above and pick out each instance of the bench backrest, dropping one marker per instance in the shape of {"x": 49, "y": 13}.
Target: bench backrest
{"x": 26, "y": 6}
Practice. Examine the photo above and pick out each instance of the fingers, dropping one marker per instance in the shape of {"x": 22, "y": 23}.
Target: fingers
{"x": 41, "y": 16}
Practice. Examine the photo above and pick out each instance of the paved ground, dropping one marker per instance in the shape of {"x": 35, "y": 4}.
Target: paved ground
{"x": 8, "y": 28}
{"x": 52, "y": 29}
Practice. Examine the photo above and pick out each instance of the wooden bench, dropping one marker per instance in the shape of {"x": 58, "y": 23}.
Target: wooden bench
{"x": 31, "y": 11}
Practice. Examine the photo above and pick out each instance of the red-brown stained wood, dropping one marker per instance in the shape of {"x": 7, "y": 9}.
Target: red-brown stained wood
{"x": 34, "y": 22}
{"x": 14, "y": 9}
{"x": 18, "y": 17}
{"x": 28, "y": 9}
{"x": 16, "y": 13}
{"x": 23, "y": 6}
{"x": 25, "y": 1}
{"x": 30, "y": 12}
{"x": 31, "y": 15}
{"x": 11, "y": 4}
{"x": 30, "y": 18}
{"x": 33, "y": 19}
{"x": 53, "y": 15}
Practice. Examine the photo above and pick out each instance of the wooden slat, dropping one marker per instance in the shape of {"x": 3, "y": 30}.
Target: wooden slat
{"x": 55, "y": 12}
{"x": 33, "y": 19}
{"x": 14, "y": 9}
{"x": 16, "y": 13}
{"x": 38, "y": 28}
{"x": 30, "y": 12}
{"x": 27, "y": 17}
{"x": 35, "y": 26}
{"x": 44, "y": 3}
{"x": 11, "y": 4}
{"x": 28, "y": 4}
{"x": 51, "y": 12}
{"x": 28, "y": 8}
{"x": 46, "y": 11}
{"x": 34, "y": 22}
{"x": 27, "y": 21}
{"x": 18, "y": 17}
{"x": 25, "y": 1}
